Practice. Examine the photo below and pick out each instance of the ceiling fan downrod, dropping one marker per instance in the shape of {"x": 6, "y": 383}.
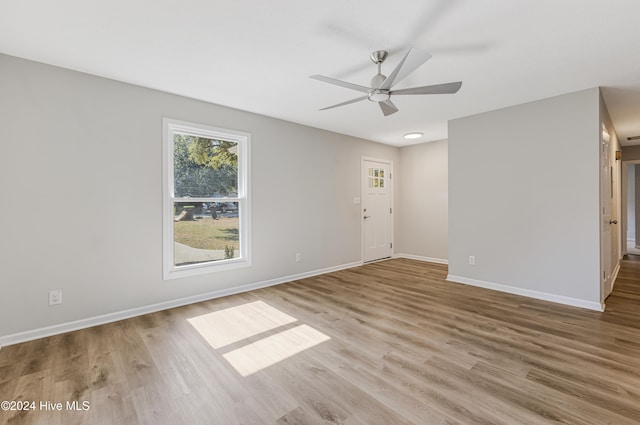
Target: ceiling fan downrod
{"x": 376, "y": 95}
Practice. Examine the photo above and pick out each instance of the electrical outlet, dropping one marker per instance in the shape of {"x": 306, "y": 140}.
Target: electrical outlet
{"x": 55, "y": 297}
{"x": 472, "y": 260}
{"x": 298, "y": 257}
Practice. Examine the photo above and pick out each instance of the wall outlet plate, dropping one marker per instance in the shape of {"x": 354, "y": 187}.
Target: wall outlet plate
{"x": 55, "y": 297}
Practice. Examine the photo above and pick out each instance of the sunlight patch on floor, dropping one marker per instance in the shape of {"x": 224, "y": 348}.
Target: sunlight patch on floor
{"x": 234, "y": 324}
{"x": 273, "y": 349}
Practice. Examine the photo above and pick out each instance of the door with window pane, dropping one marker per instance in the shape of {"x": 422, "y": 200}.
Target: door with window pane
{"x": 376, "y": 210}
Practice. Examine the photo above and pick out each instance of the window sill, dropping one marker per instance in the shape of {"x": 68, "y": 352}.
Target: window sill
{"x": 205, "y": 268}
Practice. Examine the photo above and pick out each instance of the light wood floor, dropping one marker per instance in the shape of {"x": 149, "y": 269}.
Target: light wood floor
{"x": 394, "y": 344}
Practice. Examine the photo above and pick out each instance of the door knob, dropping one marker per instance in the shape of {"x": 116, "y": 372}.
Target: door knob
{"x": 613, "y": 221}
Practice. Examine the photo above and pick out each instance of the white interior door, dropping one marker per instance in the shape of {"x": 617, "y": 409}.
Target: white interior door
{"x": 606, "y": 192}
{"x": 376, "y": 210}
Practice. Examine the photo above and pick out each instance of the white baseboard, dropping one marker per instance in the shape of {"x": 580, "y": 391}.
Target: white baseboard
{"x": 139, "y": 311}
{"x": 420, "y": 258}
{"x": 575, "y": 302}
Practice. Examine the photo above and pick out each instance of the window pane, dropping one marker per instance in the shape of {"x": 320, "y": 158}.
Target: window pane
{"x": 204, "y": 167}
{"x": 205, "y": 232}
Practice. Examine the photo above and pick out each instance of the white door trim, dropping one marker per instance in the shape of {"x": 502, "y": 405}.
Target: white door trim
{"x": 623, "y": 205}
{"x": 362, "y": 196}
{"x": 605, "y": 212}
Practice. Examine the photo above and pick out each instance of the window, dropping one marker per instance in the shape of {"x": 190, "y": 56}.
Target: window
{"x": 376, "y": 177}
{"x": 206, "y": 202}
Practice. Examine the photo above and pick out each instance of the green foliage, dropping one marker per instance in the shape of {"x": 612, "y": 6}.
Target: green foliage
{"x": 213, "y": 153}
{"x": 204, "y": 167}
{"x": 228, "y": 252}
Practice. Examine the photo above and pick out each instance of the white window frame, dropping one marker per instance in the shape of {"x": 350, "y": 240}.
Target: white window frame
{"x": 169, "y": 127}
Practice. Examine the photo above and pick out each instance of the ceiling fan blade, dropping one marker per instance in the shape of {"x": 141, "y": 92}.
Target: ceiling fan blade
{"x": 388, "y": 107}
{"x": 447, "y": 88}
{"x": 357, "y": 99}
{"x": 341, "y": 83}
{"x": 409, "y": 63}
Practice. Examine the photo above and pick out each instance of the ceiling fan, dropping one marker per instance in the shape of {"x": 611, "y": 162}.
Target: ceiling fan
{"x": 381, "y": 85}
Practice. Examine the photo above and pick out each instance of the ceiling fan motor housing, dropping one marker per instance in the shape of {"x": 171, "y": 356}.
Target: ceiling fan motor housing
{"x": 377, "y": 80}
{"x": 377, "y": 95}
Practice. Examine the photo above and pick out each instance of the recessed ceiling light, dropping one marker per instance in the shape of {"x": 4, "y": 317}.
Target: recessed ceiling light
{"x": 415, "y": 135}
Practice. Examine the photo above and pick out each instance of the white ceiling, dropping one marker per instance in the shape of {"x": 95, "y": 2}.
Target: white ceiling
{"x": 257, "y": 55}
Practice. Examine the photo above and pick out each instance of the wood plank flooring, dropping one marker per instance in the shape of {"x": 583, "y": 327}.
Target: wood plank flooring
{"x": 387, "y": 343}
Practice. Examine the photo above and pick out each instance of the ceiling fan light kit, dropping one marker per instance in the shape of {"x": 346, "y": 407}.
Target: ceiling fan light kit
{"x": 380, "y": 87}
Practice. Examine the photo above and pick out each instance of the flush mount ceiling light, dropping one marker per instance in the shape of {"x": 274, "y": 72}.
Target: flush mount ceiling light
{"x": 414, "y": 135}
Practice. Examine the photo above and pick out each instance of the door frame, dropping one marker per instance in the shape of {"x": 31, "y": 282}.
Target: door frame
{"x": 615, "y": 202}
{"x": 623, "y": 205}
{"x": 606, "y": 183}
{"x": 391, "y": 201}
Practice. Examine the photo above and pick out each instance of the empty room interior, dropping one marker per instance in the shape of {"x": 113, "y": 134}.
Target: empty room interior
{"x": 339, "y": 212}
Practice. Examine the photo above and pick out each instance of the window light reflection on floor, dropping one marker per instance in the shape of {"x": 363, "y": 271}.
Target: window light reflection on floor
{"x": 235, "y": 324}
{"x": 273, "y": 349}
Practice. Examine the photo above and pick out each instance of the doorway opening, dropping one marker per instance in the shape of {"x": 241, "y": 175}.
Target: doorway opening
{"x": 631, "y": 207}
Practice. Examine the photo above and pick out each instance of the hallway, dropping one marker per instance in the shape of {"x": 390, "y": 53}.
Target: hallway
{"x": 623, "y": 305}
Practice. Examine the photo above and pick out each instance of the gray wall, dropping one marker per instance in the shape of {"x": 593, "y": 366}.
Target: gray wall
{"x": 423, "y": 201}
{"x": 81, "y": 170}
{"x": 524, "y": 198}
{"x": 631, "y": 153}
